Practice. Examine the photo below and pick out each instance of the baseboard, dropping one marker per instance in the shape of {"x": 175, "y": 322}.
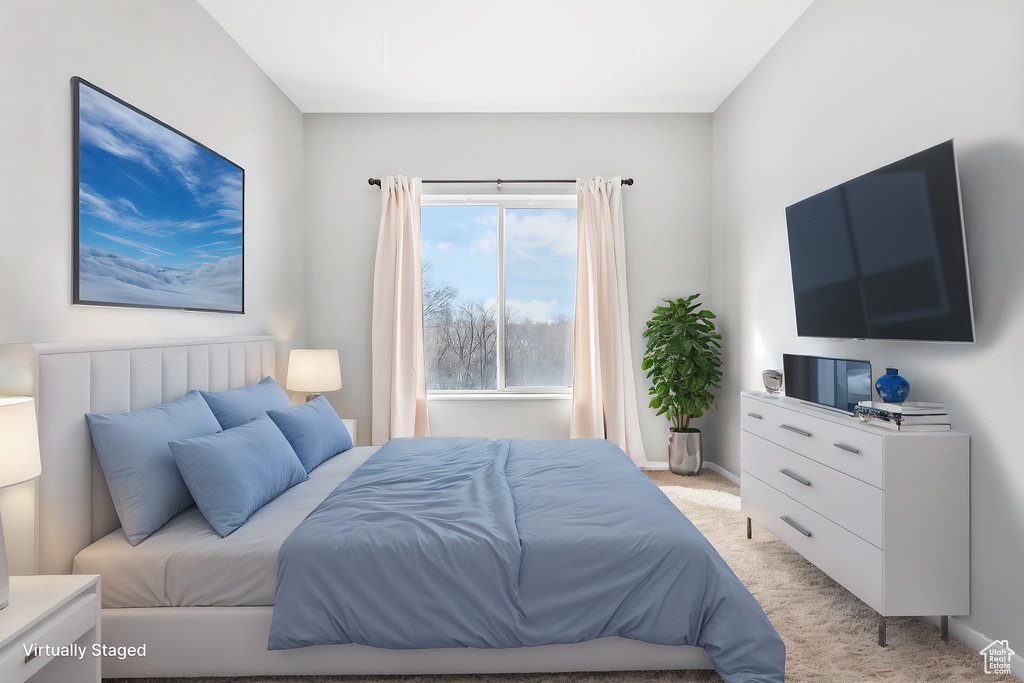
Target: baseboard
{"x": 714, "y": 467}
{"x": 662, "y": 465}
{"x": 978, "y": 642}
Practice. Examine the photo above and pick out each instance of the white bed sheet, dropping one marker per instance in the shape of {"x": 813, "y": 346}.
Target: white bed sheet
{"x": 185, "y": 563}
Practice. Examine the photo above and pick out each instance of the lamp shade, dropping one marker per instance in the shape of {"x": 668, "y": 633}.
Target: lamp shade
{"x": 19, "y": 441}
{"x": 314, "y": 370}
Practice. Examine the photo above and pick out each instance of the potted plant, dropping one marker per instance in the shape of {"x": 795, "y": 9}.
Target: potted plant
{"x": 683, "y": 360}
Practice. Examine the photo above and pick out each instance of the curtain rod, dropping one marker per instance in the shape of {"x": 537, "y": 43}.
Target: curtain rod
{"x": 498, "y": 182}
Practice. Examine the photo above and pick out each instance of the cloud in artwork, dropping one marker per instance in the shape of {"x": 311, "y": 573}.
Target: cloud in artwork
{"x": 112, "y": 278}
{"x": 149, "y": 192}
{"x": 108, "y": 125}
{"x": 138, "y": 246}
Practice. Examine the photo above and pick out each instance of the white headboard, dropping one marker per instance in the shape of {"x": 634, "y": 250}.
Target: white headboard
{"x": 69, "y": 380}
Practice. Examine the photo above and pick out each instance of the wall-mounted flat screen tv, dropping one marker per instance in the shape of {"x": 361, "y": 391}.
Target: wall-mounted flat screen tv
{"x": 883, "y": 256}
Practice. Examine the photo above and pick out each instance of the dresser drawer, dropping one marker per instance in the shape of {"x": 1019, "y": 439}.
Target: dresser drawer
{"x": 60, "y": 629}
{"x": 759, "y": 417}
{"x": 847, "y": 558}
{"x": 843, "y": 446}
{"x": 850, "y": 503}
{"x": 781, "y": 424}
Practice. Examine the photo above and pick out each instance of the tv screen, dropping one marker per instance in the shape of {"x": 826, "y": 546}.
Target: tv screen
{"x": 835, "y": 382}
{"x": 883, "y": 256}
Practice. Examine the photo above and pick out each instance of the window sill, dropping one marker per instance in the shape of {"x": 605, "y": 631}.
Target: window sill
{"x": 496, "y": 396}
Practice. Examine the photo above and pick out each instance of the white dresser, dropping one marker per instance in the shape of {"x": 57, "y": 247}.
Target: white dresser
{"x": 884, "y": 513}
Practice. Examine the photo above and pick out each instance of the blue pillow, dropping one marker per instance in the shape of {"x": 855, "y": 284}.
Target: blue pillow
{"x": 314, "y": 430}
{"x": 138, "y": 465}
{"x": 235, "y": 407}
{"x": 234, "y": 473}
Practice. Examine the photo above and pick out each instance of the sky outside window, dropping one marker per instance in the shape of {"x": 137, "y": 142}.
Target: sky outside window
{"x": 460, "y": 245}
{"x": 540, "y": 263}
{"x": 540, "y": 296}
{"x": 460, "y": 250}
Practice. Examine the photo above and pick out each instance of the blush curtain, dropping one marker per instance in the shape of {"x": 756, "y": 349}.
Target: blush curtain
{"x": 603, "y": 389}
{"x": 399, "y": 385}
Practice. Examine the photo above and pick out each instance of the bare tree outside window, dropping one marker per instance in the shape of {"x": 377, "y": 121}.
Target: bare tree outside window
{"x": 463, "y": 246}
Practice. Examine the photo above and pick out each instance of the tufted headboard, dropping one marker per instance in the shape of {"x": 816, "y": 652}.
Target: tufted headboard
{"x": 69, "y": 380}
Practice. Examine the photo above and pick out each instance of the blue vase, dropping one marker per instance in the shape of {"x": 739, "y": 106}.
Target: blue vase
{"x": 891, "y": 387}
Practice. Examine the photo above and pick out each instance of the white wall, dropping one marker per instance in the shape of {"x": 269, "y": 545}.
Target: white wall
{"x": 519, "y": 416}
{"x": 852, "y": 86}
{"x": 170, "y": 59}
{"x": 173, "y": 61}
{"x": 667, "y": 215}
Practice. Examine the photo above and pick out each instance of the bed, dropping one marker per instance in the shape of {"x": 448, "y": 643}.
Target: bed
{"x": 75, "y": 511}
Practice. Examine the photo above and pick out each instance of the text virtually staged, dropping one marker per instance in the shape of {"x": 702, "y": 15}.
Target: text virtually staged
{"x": 76, "y": 651}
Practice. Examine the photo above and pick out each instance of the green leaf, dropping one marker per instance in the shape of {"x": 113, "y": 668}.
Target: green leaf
{"x": 682, "y": 359}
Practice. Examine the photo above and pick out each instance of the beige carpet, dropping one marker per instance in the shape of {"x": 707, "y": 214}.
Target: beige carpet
{"x": 829, "y": 634}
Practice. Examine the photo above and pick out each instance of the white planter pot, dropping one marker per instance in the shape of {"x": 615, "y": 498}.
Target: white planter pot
{"x": 685, "y": 455}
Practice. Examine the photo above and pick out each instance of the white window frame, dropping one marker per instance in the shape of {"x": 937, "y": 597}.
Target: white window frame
{"x": 502, "y": 203}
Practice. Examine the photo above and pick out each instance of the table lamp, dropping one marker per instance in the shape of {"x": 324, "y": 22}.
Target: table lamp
{"x": 314, "y": 371}
{"x": 19, "y": 462}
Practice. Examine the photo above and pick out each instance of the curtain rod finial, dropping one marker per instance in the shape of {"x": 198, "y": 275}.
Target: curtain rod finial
{"x": 374, "y": 181}
{"x": 627, "y": 181}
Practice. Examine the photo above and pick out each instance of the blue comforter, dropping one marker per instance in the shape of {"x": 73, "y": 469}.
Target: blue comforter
{"x": 465, "y": 542}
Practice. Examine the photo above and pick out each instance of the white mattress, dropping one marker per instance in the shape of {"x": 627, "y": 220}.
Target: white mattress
{"x": 185, "y": 563}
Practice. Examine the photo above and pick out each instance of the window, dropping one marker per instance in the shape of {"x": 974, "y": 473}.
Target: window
{"x": 499, "y": 293}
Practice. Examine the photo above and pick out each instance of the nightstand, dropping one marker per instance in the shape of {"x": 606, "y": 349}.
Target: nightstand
{"x": 350, "y": 425}
{"x": 48, "y": 630}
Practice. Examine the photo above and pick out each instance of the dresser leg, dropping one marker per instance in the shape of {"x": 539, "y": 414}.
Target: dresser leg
{"x": 944, "y": 628}
{"x": 881, "y": 630}
{"x": 748, "y": 527}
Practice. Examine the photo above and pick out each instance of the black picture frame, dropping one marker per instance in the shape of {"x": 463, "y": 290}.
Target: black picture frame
{"x": 159, "y": 218}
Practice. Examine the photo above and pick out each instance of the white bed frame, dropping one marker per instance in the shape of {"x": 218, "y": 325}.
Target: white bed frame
{"x": 70, "y": 508}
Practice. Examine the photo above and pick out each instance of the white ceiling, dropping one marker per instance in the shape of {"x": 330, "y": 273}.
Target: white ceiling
{"x": 506, "y": 55}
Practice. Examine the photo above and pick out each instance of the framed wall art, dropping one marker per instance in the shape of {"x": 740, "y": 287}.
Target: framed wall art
{"x": 158, "y": 216}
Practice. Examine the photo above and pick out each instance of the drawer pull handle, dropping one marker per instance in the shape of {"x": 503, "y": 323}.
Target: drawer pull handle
{"x": 795, "y": 430}
{"x": 851, "y": 449}
{"x": 755, "y": 416}
{"x": 29, "y": 658}
{"x": 796, "y": 526}
{"x": 795, "y": 477}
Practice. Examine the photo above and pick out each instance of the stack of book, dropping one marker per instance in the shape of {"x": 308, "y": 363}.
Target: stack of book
{"x": 909, "y": 416}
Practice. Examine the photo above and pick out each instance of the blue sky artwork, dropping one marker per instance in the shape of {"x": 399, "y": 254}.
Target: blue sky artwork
{"x": 159, "y": 216}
